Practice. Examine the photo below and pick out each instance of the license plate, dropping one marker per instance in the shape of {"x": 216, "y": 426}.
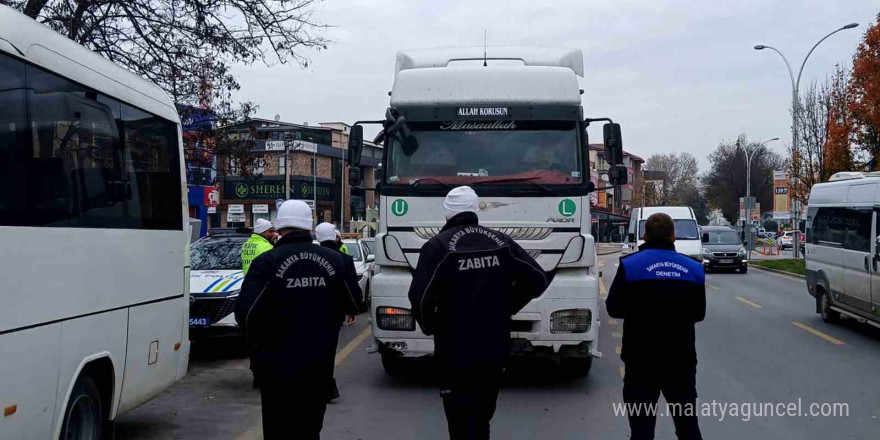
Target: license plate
{"x": 199, "y": 322}
{"x": 726, "y": 261}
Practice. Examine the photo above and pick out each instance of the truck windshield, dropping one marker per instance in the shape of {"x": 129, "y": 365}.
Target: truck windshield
{"x": 684, "y": 229}
{"x": 723, "y": 237}
{"x": 503, "y": 152}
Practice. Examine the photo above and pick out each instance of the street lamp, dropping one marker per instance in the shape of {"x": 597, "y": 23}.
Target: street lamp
{"x": 795, "y": 83}
{"x": 747, "y": 220}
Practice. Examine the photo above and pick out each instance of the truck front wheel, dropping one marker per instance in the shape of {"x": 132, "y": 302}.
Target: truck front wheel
{"x": 577, "y": 367}
{"x": 394, "y": 365}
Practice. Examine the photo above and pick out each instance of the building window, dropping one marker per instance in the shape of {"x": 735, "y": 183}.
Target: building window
{"x": 276, "y": 135}
{"x": 259, "y": 165}
{"x": 282, "y": 164}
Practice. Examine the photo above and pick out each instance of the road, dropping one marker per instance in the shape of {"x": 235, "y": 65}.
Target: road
{"x": 761, "y": 342}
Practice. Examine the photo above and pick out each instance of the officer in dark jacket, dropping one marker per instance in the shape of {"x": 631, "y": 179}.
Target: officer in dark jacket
{"x": 659, "y": 294}
{"x": 468, "y": 283}
{"x": 292, "y": 304}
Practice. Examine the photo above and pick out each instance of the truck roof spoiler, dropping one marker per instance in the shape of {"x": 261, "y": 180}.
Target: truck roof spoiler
{"x": 530, "y": 56}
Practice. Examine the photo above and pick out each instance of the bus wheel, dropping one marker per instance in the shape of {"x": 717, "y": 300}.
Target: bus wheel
{"x": 84, "y": 417}
{"x": 828, "y": 315}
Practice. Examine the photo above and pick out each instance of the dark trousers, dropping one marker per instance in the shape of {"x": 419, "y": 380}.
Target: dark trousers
{"x": 643, "y": 385}
{"x": 292, "y": 409}
{"x": 469, "y": 401}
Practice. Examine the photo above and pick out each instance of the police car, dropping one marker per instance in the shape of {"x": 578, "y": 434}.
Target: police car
{"x": 214, "y": 283}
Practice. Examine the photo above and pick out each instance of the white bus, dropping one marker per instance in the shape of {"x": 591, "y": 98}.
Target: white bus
{"x": 94, "y": 260}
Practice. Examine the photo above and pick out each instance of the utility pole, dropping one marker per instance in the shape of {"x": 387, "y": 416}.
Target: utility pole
{"x": 795, "y": 109}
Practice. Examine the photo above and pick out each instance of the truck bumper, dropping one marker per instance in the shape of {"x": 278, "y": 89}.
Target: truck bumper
{"x": 532, "y": 335}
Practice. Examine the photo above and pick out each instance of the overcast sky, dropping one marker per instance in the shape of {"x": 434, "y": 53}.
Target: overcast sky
{"x": 677, "y": 75}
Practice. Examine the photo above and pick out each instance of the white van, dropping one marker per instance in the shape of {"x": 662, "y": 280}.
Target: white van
{"x": 687, "y": 232}
{"x": 842, "y": 249}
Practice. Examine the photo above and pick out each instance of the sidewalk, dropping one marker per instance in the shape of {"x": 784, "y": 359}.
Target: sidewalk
{"x": 608, "y": 248}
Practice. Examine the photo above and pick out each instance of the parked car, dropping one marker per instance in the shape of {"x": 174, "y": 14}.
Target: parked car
{"x": 363, "y": 264}
{"x": 214, "y": 283}
{"x": 722, "y": 248}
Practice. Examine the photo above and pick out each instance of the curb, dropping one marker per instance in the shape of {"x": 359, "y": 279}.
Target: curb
{"x": 780, "y": 272}
{"x": 607, "y": 252}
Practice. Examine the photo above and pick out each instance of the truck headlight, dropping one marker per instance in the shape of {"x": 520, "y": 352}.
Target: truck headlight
{"x": 395, "y": 318}
{"x": 571, "y": 321}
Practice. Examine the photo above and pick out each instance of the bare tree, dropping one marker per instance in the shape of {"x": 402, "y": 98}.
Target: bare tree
{"x": 725, "y": 182}
{"x": 824, "y": 131}
{"x": 679, "y": 172}
{"x": 186, "y": 46}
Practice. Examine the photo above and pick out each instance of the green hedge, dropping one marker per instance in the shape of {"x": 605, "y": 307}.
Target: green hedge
{"x": 795, "y": 266}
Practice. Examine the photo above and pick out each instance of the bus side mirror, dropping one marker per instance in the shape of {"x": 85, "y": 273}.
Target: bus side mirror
{"x": 355, "y": 145}
{"x": 613, "y": 144}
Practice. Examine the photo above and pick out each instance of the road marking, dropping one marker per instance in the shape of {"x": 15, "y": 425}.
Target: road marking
{"x": 612, "y": 322}
{"x": 617, "y": 350}
{"x": 714, "y": 287}
{"x": 753, "y": 304}
{"x": 601, "y": 264}
{"x": 602, "y": 291}
{"x": 617, "y": 335}
{"x": 256, "y": 432}
{"x": 342, "y": 354}
{"x": 824, "y": 336}
{"x": 622, "y": 371}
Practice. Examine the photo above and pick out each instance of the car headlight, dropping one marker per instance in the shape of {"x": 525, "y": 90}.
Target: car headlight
{"x": 395, "y": 318}
{"x": 571, "y": 321}
{"x": 742, "y": 251}
{"x": 706, "y": 251}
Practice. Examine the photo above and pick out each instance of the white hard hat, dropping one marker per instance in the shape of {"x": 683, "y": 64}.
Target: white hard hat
{"x": 460, "y": 199}
{"x": 262, "y": 225}
{"x": 294, "y": 214}
{"x": 325, "y": 232}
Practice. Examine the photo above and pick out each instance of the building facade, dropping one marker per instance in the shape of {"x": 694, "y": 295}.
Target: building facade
{"x": 315, "y": 158}
{"x": 631, "y": 195}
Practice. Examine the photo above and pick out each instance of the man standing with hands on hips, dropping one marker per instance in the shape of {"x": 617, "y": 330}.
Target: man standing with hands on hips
{"x": 658, "y": 291}
{"x": 468, "y": 282}
{"x": 291, "y": 307}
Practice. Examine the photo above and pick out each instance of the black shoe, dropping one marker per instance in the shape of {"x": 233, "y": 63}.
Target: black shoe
{"x": 335, "y": 394}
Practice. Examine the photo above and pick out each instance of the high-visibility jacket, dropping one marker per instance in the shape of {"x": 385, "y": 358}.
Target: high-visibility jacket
{"x": 251, "y": 249}
{"x": 344, "y": 249}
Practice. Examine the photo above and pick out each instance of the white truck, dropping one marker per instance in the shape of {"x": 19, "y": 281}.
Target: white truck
{"x": 511, "y": 126}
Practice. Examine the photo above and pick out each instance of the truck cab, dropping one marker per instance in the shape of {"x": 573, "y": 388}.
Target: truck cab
{"x": 516, "y": 134}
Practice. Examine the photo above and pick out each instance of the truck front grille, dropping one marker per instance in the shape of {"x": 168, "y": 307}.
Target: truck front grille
{"x": 514, "y": 233}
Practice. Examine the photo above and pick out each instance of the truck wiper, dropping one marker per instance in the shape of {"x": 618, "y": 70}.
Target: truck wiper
{"x": 529, "y": 180}
{"x": 416, "y": 182}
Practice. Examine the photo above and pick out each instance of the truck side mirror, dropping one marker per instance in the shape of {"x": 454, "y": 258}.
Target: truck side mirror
{"x": 705, "y": 237}
{"x": 618, "y": 175}
{"x": 613, "y": 144}
{"x": 354, "y": 176}
{"x": 355, "y": 145}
